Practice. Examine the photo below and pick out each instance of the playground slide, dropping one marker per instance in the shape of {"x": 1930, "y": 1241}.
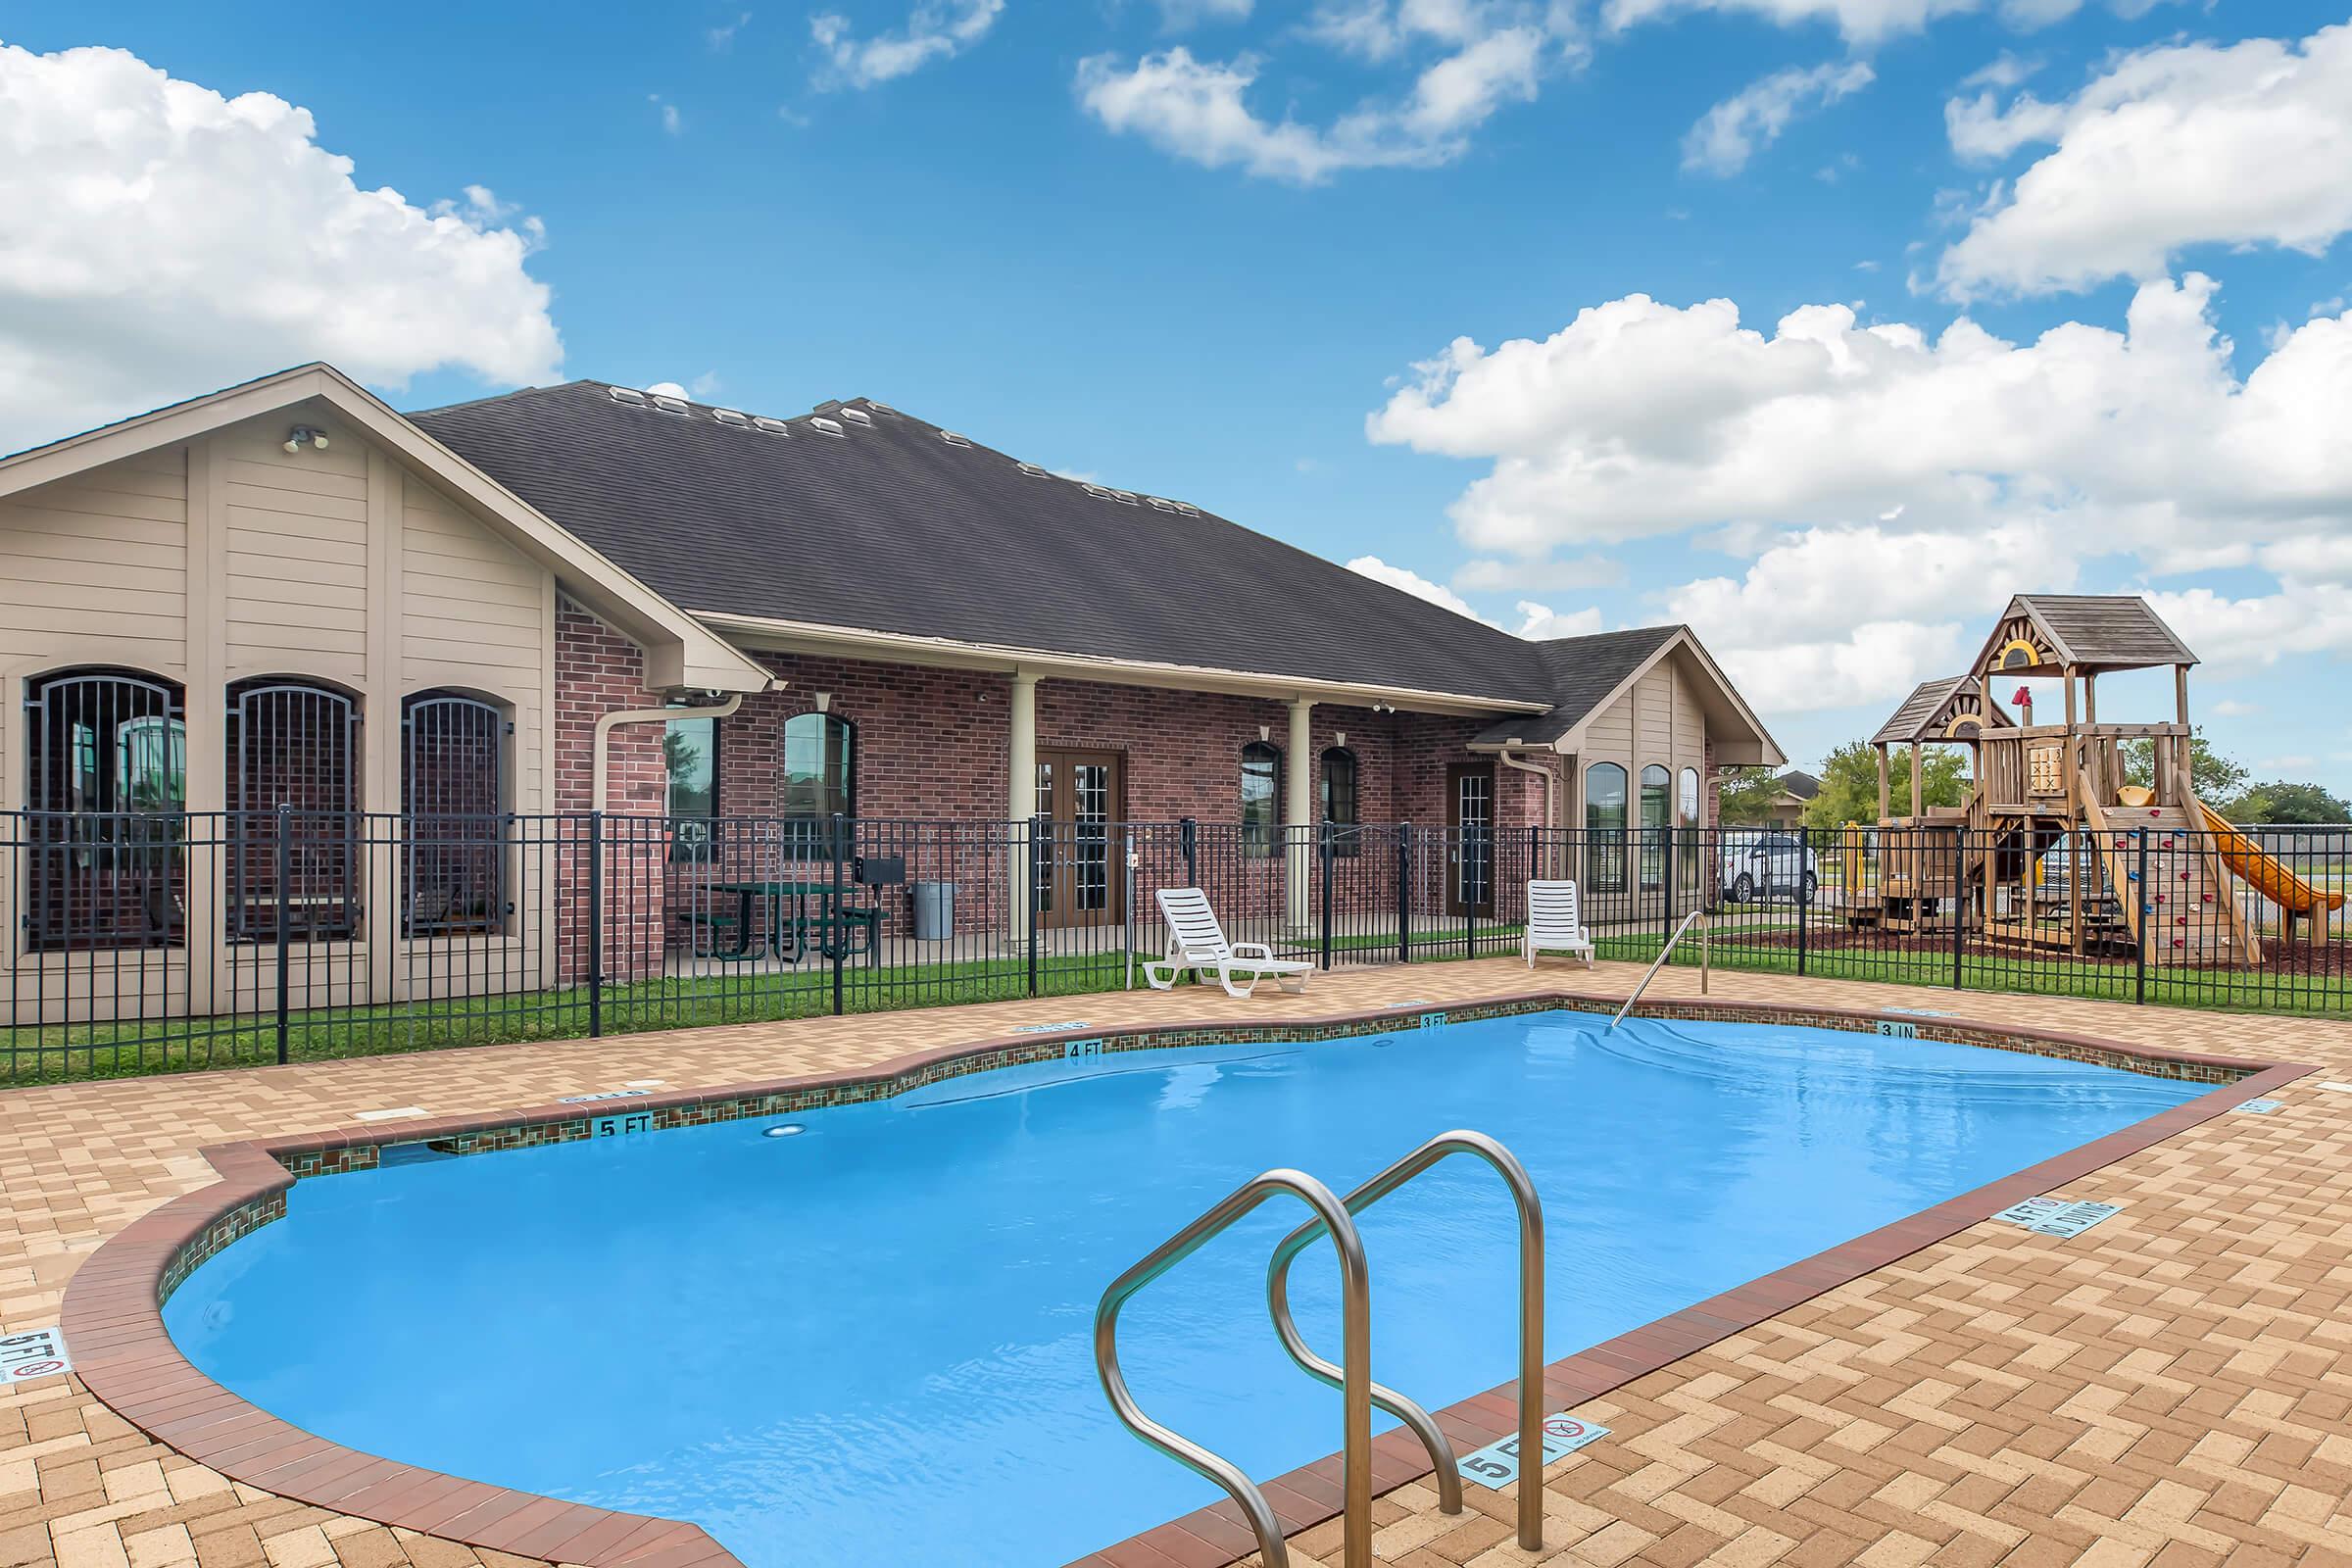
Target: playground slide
{"x": 2264, "y": 875}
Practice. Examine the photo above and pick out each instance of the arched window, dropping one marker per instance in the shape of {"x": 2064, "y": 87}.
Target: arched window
{"x": 106, "y": 772}
{"x": 1262, "y": 798}
{"x": 293, "y": 744}
{"x": 1605, "y": 828}
{"x": 452, "y": 790}
{"x": 1341, "y": 803}
{"x": 1657, "y": 823}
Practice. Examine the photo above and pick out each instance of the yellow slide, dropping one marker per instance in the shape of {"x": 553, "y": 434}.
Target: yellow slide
{"x": 2267, "y": 876}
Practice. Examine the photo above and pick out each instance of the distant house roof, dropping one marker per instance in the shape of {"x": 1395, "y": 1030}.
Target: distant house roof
{"x": 2045, "y": 633}
{"x": 859, "y": 516}
{"x": 1802, "y": 785}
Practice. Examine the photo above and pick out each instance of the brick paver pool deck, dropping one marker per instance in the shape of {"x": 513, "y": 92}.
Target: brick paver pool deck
{"x": 2173, "y": 1387}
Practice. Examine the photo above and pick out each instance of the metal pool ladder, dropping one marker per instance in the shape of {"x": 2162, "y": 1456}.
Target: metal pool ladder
{"x": 1334, "y": 1217}
{"x": 1657, "y": 963}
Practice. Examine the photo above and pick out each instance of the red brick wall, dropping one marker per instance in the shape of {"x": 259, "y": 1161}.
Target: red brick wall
{"x": 599, "y": 671}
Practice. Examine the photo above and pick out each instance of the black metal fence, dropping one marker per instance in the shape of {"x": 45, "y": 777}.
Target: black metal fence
{"x": 143, "y": 942}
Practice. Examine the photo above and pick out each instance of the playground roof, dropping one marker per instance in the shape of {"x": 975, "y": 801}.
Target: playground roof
{"x": 1927, "y": 713}
{"x": 2089, "y": 631}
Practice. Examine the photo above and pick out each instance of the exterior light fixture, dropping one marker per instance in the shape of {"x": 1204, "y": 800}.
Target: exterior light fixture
{"x": 305, "y": 435}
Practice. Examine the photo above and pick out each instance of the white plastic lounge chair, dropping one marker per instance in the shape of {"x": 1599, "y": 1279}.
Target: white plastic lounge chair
{"x": 1196, "y": 942}
{"x": 1553, "y": 925}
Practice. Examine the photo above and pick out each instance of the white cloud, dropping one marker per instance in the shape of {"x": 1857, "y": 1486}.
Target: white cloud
{"x": 1541, "y": 623}
{"x": 2244, "y": 144}
{"x": 2237, "y": 635}
{"x": 1641, "y": 418}
{"x": 158, "y": 239}
{"x": 723, "y": 36}
{"x": 2231, "y": 707}
{"x": 1178, "y": 14}
{"x": 666, "y": 389}
{"x": 1829, "y": 618}
{"x": 1487, "y": 56}
{"x": 1413, "y": 582}
{"x": 1728, "y": 134}
{"x": 935, "y": 29}
{"x": 1490, "y": 576}
{"x": 672, "y": 122}
{"x": 1861, "y": 21}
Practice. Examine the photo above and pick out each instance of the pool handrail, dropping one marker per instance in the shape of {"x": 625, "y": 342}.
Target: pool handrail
{"x": 1460, "y": 1141}
{"x": 1655, "y": 964}
{"x": 1355, "y": 1403}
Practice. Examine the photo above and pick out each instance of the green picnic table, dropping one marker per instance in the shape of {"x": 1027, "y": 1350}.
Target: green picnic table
{"x": 832, "y": 925}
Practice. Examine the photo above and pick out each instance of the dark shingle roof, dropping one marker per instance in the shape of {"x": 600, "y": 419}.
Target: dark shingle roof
{"x": 2105, "y": 631}
{"x": 1582, "y": 672}
{"x": 891, "y": 528}
{"x": 1804, "y": 786}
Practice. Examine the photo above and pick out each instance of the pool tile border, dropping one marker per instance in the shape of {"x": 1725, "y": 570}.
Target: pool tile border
{"x": 112, "y": 1312}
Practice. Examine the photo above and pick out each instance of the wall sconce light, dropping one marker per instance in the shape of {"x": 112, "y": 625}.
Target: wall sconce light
{"x": 824, "y": 700}
{"x": 305, "y": 435}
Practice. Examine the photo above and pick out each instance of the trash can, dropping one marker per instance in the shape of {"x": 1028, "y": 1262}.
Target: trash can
{"x": 934, "y": 911}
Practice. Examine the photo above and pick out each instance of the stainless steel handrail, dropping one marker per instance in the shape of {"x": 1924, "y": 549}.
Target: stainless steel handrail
{"x": 1355, "y": 1333}
{"x": 1530, "y": 1321}
{"x": 1657, "y": 963}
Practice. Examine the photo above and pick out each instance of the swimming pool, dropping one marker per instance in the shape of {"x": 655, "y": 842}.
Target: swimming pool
{"x": 870, "y": 1341}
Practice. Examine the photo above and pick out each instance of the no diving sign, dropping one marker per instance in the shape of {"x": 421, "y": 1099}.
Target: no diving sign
{"x": 1497, "y": 1464}
{"x": 38, "y": 1353}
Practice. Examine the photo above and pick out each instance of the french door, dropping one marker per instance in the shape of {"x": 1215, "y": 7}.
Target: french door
{"x": 1079, "y": 795}
{"x": 1470, "y": 846}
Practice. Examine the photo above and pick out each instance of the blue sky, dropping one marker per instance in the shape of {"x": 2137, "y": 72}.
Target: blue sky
{"x": 1208, "y": 249}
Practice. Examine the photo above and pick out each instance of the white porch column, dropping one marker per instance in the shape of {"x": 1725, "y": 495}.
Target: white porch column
{"x": 1020, "y": 794}
{"x": 1298, "y": 815}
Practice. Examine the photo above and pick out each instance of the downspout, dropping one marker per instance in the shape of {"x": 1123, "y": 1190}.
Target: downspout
{"x": 1550, "y": 779}
{"x": 605, "y": 724}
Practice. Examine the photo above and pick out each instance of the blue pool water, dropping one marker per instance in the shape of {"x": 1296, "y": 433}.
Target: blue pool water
{"x": 871, "y": 1342}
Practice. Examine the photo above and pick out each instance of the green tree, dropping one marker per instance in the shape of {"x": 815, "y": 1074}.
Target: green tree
{"x": 2283, "y": 802}
{"x": 1746, "y": 795}
{"x": 1850, "y": 783}
{"x": 2215, "y": 777}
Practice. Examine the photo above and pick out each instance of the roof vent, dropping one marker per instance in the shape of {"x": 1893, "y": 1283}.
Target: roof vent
{"x": 879, "y": 408}
{"x": 670, "y": 405}
{"x": 857, "y": 416}
{"x": 628, "y": 395}
{"x": 955, "y": 440}
{"x": 730, "y": 417}
{"x": 1159, "y": 505}
{"x": 1188, "y": 508}
{"x": 828, "y": 427}
{"x": 771, "y": 426}
{"x": 1125, "y": 498}
{"x": 1033, "y": 470}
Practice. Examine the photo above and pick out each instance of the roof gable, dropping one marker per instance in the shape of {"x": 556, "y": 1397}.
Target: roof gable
{"x": 1591, "y": 673}
{"x": 2044, "y": 634}
{"x": 883, "y": 524}
{"x": 681, "y": 651}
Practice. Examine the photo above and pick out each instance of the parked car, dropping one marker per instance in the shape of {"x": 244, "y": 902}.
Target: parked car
{"x": 1766, "y": 865}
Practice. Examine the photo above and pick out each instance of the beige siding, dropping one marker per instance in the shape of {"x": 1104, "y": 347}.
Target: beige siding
{"x": 296, "y": 589}
{"x": 230, "y": 557}
{"x": 95, "y": 566}
{"x": 475, "y": 614}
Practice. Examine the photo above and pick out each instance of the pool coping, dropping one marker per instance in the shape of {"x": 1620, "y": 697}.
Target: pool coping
{"x": 113, "y": 1310}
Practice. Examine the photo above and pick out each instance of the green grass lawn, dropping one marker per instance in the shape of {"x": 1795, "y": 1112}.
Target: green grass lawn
{"x": 60, "y": 1053}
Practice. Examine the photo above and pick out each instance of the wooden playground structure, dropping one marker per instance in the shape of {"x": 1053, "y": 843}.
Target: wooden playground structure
{"x": 2051, "y": 848}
